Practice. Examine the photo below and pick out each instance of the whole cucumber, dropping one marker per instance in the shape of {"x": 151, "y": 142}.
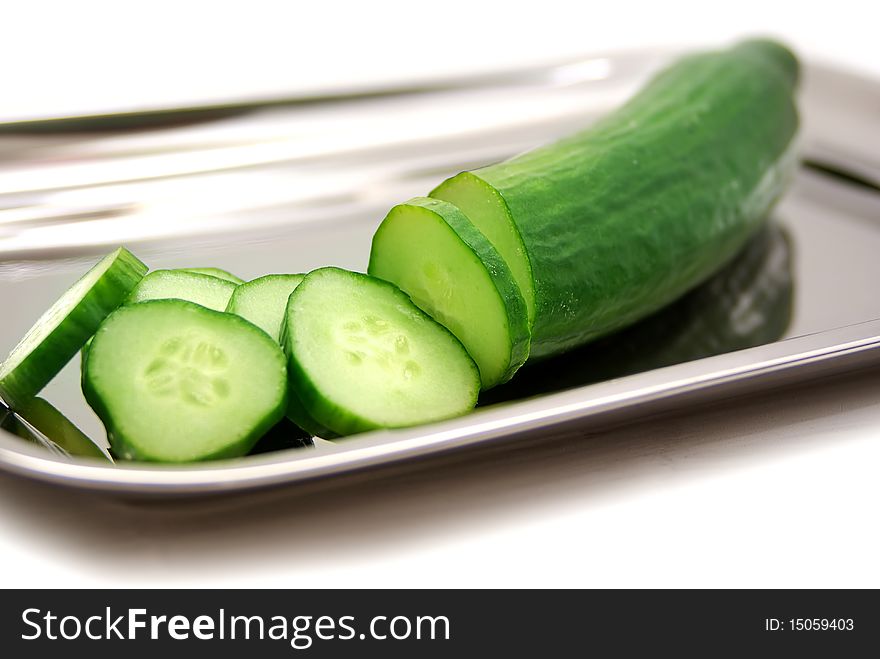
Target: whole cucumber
{"x": 607, "y": 226}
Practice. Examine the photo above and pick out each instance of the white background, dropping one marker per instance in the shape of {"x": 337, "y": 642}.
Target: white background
{"x": 781, "y": 490}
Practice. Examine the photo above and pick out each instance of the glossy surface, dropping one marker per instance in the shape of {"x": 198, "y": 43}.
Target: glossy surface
{"x": 317, "y": 199}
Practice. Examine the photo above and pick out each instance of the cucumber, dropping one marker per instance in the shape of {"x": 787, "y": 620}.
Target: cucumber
{"x": 430, "y": 250}
{"x": 748, "y": 303}
{"x": 609, "y": 225}
{"x": 361, "y": 356}
{"x": 67, "y": 325}
{"x": 263, "y": 301}
{"x": 206, "y": 290}
{"x": 41, "y": 422}
{"x": 173, "y": 381}
{"x": 216, "y": 272}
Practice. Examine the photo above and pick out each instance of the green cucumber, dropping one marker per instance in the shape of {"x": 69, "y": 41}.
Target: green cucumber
{"x": 206, "y": 290}
{"x": 362, "y": 356}
{"x": 431, "y": 251}
{"x": 173, "y": 381}
{"x": 42, "y": 422}
{"x": 263, "y": 301}
{"x": 748, "y": 303}
{"x": 609, "y": 225}
{"x": 216, "y": 272}
{"x": 67, "y": 325}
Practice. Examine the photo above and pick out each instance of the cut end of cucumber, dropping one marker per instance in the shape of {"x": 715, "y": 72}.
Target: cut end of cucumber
{"x": 430, "y": 250}
{"x": 207, "y": 290}
{"x": 176, "y": 382}
{"x": 65, "y": 327}
{"x": 361, "y": 356}
{"x": 486, "y": 209}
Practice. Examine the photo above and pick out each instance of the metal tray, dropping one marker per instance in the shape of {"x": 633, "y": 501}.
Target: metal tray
{"x": 295, "y": 185}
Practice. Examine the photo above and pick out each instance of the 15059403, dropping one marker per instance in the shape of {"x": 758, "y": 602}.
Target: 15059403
{"x": 821, "y": 624}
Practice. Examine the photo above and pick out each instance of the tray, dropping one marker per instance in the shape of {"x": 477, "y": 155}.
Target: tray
{"x": 296, "y": 185}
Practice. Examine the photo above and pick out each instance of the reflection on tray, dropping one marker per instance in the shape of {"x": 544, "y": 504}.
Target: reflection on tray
{"x": 747, "y": 304}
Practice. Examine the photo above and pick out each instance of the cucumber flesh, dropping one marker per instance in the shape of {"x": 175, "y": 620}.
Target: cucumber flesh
{"x": 173, "y": 381}
{"x": 362, "y": 356}
{"x": 216, "y": 272}
{"x": 67, "y": 325}
{"x": 431, "y": 251}
{"x": 263, "y": 301}
{"x": 206, "y": 290}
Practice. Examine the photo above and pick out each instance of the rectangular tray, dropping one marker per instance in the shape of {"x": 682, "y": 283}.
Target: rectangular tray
{"x": 292, "y": 187}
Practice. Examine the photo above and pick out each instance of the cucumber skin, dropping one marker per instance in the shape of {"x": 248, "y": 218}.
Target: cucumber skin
{"x": 748, "y": 303}
{"x": 628, "y": 215}
{"x": 21, "y": 385}
{"x": 52, "y": 423}
{"x": 497, "y": 269}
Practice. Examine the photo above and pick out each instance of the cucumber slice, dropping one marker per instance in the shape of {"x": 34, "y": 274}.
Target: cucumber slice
{"x": 361, "y": 356}
{"x": 486, "y": 208}
{"x": 298, "y": 414}
{"x": 206, "y": 290}
{"x": 176, "y": 382}
{"x": 41, "y": 421}
{"x": 67, "y": 325}
{"x": 263, "y": 301}
{"x": 215, "y": 272}
{"x": 433, "y": 252}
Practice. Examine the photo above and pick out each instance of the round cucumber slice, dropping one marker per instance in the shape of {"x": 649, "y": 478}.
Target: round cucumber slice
{"x": 206, "y": 290}
{"x": 176, "y": 382}
{"x": 67, "y": 325}
{"x": 429, "y": 249}
{"x": 361, "y": 356}
{"x": 215, "y": 272}
{"x": 263, "y": 301}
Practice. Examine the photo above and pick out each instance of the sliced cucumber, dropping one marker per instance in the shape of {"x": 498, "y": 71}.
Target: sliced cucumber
{"x": 206, "y": 290}
{"x": 263, "y": 301}
{"x": 67, "y": 325}
{"x": 216, "y": 272}
{"x": 41, "y": 421}
{"x": 430, "y": 250}
{"x": 361, "y": 356}
{"x": 177, "y": 382}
